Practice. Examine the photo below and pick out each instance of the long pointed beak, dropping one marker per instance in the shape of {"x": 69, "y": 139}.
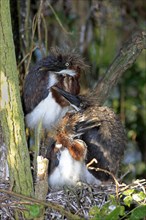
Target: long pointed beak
{"x": 73, "y": 100}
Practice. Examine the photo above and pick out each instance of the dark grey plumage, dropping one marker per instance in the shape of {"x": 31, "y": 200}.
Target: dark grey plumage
{"x": 59, "y": 68}
{"x": 101, "y": 130}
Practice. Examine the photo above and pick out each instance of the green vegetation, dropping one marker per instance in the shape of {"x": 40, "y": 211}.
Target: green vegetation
{"x": 122, "y": 208}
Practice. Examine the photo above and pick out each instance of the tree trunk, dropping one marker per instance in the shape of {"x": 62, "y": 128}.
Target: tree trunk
{"x": 11, "y": 109}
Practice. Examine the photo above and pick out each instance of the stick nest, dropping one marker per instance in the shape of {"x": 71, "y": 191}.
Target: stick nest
{"x": 78, "y": 200}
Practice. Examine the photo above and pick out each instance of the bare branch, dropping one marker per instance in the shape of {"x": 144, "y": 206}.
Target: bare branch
{"x": 123, "y": 61}
{"x": 39, "y": 16}
{"x": 58, "y": 20}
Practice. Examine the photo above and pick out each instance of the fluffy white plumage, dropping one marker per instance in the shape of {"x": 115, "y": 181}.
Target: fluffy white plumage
{"x": 48, "y": 111}
{"x": 69, "y": 172}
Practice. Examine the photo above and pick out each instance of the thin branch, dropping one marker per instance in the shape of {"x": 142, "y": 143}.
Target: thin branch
{"x": 39, "y": 26}
{"x": 57, "y": 18}
{"x": 25, "y": 57}
{"x": 46, "y": 33}
{"x": 27, "y": 29}
{"x": 34, "y": 25}
{"x": 137, "y": 183}
{"x": 105, "y": 171}
{"x": 123, "y": 61}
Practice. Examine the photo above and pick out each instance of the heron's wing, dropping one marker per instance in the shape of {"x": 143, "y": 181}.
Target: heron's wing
{"x": 35, "y": 89}
{"x": 86, "y": 124}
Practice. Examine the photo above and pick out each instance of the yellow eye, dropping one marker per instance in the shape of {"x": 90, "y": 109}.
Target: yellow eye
{"x": 67, "y": 64}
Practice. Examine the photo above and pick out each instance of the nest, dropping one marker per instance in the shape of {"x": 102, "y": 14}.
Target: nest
{"x": 78, "y": 200}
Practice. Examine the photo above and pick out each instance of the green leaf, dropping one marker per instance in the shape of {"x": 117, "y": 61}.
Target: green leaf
{"x": 114, "y": 215}
{"x": 128, "y": 192}
{"x": 94, "y": 213}
{"x": 138, "y": 213}
{"x": 127, "y": 200}
{"x": 105, "y": 209}
{"x": 122, "y": 210}
{"x": 113, "y": 200}
{"x": 34, "y": 210}
{"x": 139, "y": 196}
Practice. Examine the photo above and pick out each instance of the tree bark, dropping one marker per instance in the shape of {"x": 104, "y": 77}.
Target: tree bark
{"x": 11, "y": 115}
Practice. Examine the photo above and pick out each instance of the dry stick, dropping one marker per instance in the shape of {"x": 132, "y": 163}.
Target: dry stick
{"x": 105, "y": 171}
{"x": 57, "y": 18}
{"x": 39, "y": 26}
{"x": 25, "y": 57}
{"x": 141, "y": 183}
{"x": 46, "y": 33}
{"x": 124, "y": 60}
{"x": 111, "y": 174}
{"x": 34, "y": 24}
{"x": 51, "y": 205}
{"x": 27, "y": 31}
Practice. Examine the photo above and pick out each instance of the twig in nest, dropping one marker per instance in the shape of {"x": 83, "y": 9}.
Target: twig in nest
{"x": 105, "y": 171}
{"x": 140, "y": 183}
{"x": 91, "y": 162}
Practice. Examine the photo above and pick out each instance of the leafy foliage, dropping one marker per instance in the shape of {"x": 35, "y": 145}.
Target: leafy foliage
{"x": 123, "y": 208}
{"x": 34, "y": 211}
